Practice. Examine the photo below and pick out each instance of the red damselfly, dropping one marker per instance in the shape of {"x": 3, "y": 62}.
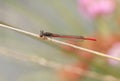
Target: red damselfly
{"x": 49, "y": 34}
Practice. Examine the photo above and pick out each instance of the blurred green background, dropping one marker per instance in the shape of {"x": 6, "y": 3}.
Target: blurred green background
{"x": 58, "y": 16}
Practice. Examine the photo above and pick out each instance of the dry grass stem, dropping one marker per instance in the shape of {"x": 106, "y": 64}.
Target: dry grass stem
{"x": 61, "y": 42}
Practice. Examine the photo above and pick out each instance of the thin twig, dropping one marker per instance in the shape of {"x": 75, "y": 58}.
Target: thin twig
{"x": 20, "y": 30}
{"x": 60, "y": 42}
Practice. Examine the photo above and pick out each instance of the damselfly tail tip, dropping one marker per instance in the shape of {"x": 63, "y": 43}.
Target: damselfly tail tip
{"x": 92, "y": 39}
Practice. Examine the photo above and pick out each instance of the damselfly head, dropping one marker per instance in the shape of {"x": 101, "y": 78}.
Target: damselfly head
{"x": 41, "y": 33}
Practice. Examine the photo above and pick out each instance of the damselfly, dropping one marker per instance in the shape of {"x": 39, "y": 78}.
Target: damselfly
{"x": 49, "y": 34}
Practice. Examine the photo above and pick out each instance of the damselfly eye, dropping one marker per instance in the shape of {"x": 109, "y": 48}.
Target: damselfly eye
{"x": 41, "y": 33}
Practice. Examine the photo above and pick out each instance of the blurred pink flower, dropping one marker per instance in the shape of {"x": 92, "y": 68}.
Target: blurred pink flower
{"x": 95, "y": 8}
{"x": 115, "y": 52}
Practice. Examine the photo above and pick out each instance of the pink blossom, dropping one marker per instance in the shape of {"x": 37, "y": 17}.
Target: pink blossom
{"x": 95, "y": 8}
{"x": 115, "y": 52}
